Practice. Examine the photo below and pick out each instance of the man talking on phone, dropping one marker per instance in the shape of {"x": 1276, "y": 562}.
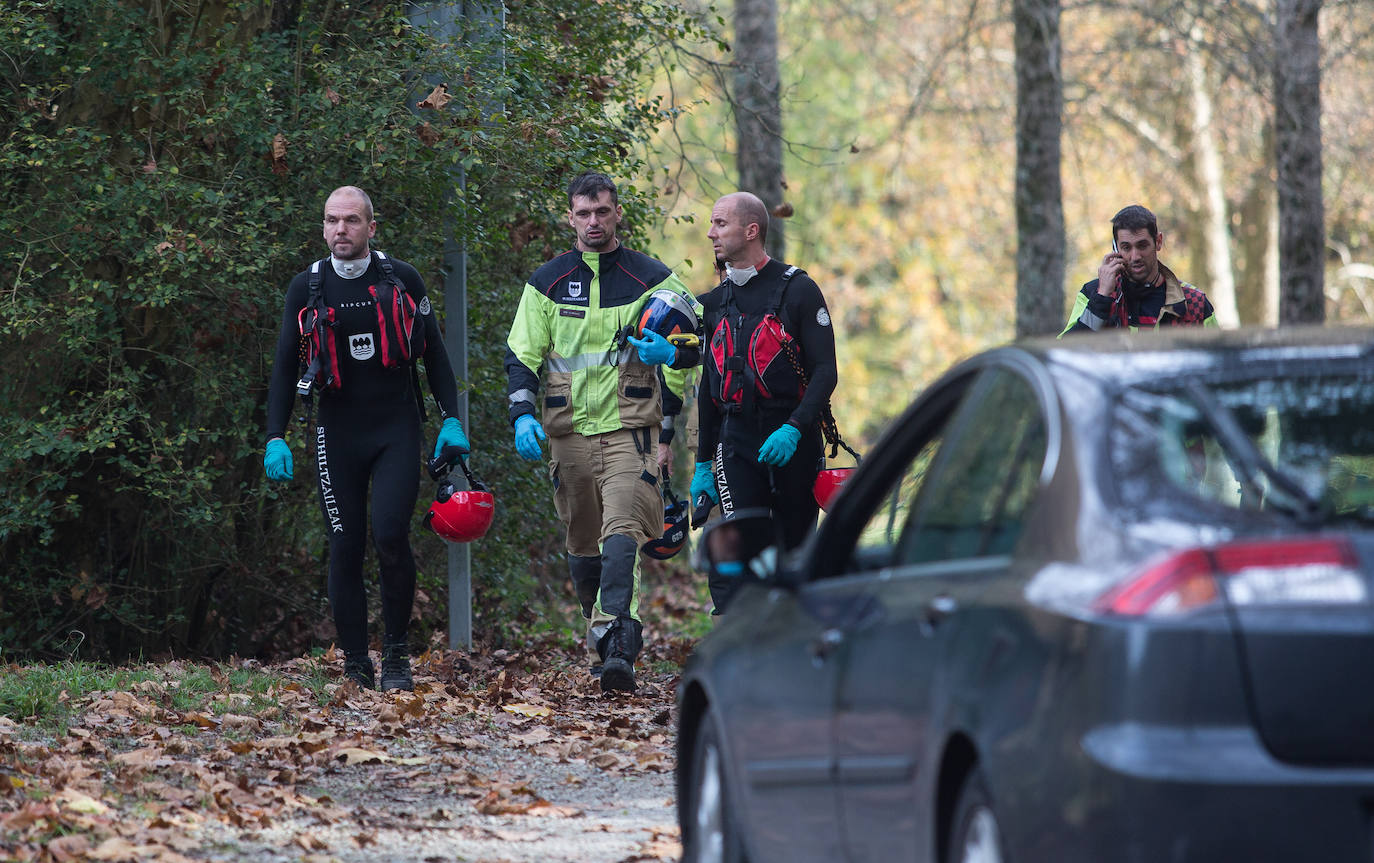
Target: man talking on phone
{"x": 1133, "y": 288}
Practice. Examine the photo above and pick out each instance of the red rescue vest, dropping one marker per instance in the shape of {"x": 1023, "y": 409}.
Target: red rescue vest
{"x": 401, "y": 339}
{"x": 753, "y": 355}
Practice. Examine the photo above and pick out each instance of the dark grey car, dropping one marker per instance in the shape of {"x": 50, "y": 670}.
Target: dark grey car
{"x": 1109, "y": 598}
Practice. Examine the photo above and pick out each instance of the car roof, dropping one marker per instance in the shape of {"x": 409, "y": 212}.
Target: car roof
{"x": 1128, "y": 358}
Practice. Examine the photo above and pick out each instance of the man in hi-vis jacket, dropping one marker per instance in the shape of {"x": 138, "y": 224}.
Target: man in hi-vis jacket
{"x": 601, "y": 412}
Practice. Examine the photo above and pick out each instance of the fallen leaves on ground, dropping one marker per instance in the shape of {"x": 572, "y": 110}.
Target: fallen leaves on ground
{"x": 134, "y": 777}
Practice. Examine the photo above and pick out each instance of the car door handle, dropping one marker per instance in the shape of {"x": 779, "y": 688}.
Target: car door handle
{"x": 824, "y": 645}
{"x": 939, "y": 608}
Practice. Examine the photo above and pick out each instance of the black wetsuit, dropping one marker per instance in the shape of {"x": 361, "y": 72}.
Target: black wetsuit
{"x": 368, "y": 431}
{"x": 731, "y": 434}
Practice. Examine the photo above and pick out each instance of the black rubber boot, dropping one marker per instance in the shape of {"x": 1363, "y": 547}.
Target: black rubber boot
{"x": 396, "y": 667}
{"x": 722, "y": 588}
{"x": 586, "y": 578}
{"x": 620, "y": 645}
{"x": 359, "y": 669}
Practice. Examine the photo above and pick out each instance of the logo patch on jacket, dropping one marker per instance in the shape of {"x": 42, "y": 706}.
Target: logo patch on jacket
{"x": 361, "y": 346}
{"x": 571, "y": 292}
{"x": 424, "y": 307}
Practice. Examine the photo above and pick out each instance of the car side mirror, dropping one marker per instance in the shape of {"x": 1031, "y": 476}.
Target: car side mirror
{"x": 742, "y": 544}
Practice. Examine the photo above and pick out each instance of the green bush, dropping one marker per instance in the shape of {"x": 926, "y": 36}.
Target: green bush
{"x": 162, "y": 172}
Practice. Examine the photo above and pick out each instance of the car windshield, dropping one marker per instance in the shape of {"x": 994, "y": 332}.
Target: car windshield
{"x": 1300, "y": 446}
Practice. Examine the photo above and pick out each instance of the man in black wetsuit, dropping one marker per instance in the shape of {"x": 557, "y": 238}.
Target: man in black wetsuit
{"x": 769, "y": 373}
{"x": 368, "y": 424}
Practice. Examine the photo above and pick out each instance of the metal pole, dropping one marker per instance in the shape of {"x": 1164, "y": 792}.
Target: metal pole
{"x": 441, "y": 20}
{"x": 456, "y": 340}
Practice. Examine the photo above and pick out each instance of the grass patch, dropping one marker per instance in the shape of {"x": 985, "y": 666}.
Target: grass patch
{"x": 192, "y": 690}
{"x": 217, "y": 689}
{"x": 698, "y": 626}
{"x": 311, "y": 676}
{"x": 44, "y": 693}
{"x": 48, "y": 695}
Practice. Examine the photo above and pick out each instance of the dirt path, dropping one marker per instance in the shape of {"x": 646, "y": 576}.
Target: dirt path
{"x": 515, "y": 757}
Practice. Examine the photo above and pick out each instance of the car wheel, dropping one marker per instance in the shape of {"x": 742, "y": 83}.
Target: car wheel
{"x": 976, "y": 837}
{"x": 709, "y": 834}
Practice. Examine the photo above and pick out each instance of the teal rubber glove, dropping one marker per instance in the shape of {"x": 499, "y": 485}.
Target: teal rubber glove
{"x": 730, "y": 568}
{"x": 704, "y": 482}
{"x": 528, "y": 434}
{"x": 654, "y": 349}
{"x": 277, "y": 461}
{"x": 451, "y": 434}
{"x": 778, "y": 449}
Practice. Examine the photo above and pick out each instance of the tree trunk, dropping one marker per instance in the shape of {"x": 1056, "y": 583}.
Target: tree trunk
{"x": 1257, "y": 291}
{"x": 1040, "y": 254}
{"x": 1220, "y": 286}
{"x": 758, "y": 111}
{"x": 1298, "y": 143}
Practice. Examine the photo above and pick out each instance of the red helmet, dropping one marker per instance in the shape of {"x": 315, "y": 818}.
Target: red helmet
{"x": 459, "y": 516}
{"x": 828, "y": 484}
{"x": 674, "y": 527}
{"x": 667, "y": 313}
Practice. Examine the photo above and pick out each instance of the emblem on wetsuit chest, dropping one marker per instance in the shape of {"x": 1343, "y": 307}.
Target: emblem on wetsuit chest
{"x": 361, "y": 346}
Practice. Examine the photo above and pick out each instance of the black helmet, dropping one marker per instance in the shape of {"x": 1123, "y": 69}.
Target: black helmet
{"x": 667, "y": 313}
{"x": 674, "y": 527}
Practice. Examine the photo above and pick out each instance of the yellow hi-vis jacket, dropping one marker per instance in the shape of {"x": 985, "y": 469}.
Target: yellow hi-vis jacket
{"x": 570, "y": 322}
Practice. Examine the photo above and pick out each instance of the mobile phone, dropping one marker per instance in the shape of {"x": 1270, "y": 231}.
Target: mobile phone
{"x": 1119, "y": 290}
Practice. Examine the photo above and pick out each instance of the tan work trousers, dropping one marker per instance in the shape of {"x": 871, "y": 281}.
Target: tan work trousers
{"x": 604, "y": 485}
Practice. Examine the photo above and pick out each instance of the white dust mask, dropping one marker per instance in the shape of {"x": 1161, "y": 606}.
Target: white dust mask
{"x": 740, "y": 276}
{"x": 350, "y": 269}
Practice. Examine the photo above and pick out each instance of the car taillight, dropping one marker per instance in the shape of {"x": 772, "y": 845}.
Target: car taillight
{"x": 1306, "y": 571}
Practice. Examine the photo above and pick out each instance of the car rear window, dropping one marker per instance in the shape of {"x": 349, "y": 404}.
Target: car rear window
{"x": 1300, "y": 445}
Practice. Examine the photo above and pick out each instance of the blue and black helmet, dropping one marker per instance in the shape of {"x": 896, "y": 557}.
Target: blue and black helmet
{"x": 667, "y": 313}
